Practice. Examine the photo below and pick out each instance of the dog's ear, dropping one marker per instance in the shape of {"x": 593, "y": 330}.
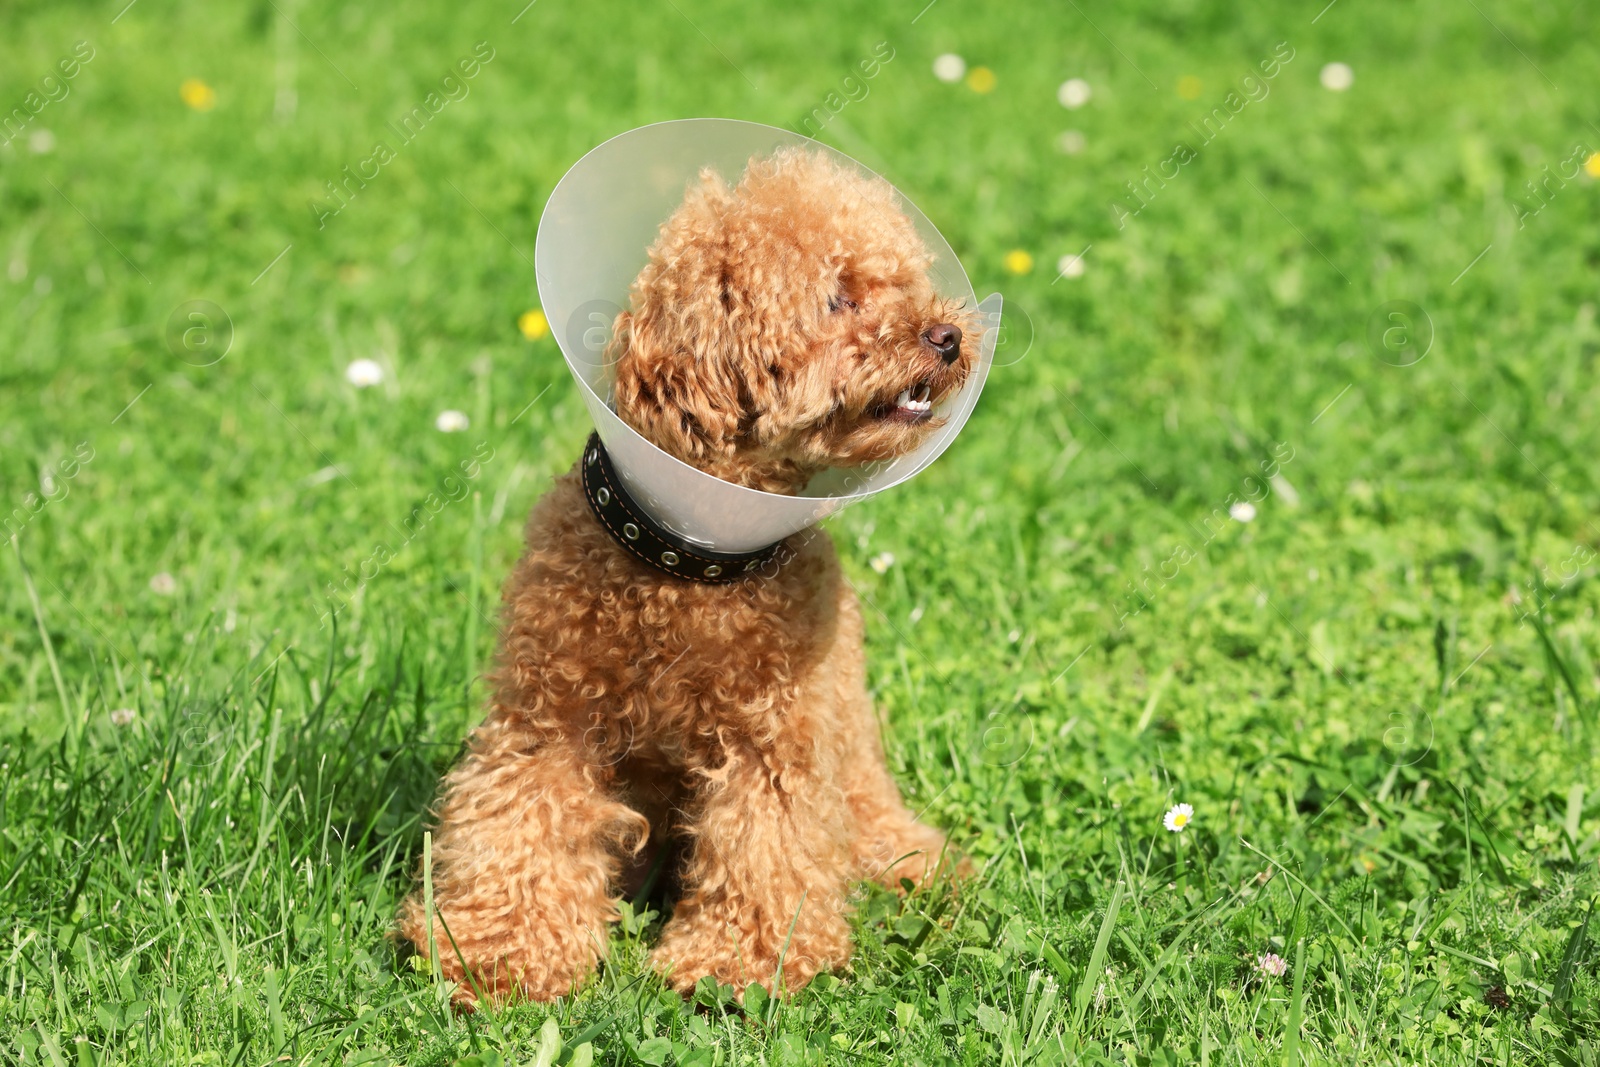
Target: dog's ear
{"x": 681, "y": 400}
{"x": 677, "y": 377}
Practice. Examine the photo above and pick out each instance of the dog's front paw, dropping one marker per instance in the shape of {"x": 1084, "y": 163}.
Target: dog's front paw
{"x": 907, "y": 850}
{"x": 682, "y": 965}
{"x": 496, "y": 961}
{"x": 738, "y": 954}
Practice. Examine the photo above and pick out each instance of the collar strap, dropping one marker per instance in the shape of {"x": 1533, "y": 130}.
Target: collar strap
{"x": 650, "y": 542}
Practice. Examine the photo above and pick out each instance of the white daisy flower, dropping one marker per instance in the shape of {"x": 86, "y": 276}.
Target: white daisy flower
{"x": 363, "y": 372}
{"x": 882, "y": 562}
{"x": 949, "y": 67}
{"x": 1071, "y": 266}
{"x": 1074, "y": 93}
{"x": 163, "y": 584}
{"x": 41, "y": 142}
{"x": 1242, "y": 511}
{"x": 1178, "y": 818}
{"x": 122, "y": 717}
{"x": 1071, "y": 142}
{"x": 1272, "y": 965}
{"x": 451, "y": 421}
{"x": 1337, "y": 77}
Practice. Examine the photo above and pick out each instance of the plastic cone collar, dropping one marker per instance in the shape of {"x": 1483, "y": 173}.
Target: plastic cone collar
{"x": 593, "y": 240}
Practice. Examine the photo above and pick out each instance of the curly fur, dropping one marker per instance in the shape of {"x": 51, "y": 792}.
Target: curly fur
{"x": 766, "y": 340}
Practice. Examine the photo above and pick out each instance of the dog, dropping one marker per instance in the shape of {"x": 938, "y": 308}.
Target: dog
{"x": 782, "y": 326}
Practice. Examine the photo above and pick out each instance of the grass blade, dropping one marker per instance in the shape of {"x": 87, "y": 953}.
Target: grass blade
{"x": 1291, "y": 1038}
{"x": 1097, "y": 960}
{"x": 1562, "y": 998}
{"x": 67, "y": 714}
{"x": 1559, "y": 662}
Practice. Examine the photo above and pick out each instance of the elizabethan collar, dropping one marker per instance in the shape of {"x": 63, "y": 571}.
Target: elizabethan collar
{"x": 593, "y": 240}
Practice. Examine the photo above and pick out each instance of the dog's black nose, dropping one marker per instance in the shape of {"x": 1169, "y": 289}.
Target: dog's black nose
{"x": 944, "y": 339}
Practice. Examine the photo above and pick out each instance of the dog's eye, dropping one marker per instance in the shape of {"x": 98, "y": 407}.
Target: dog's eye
{"x": 837, "y": 302}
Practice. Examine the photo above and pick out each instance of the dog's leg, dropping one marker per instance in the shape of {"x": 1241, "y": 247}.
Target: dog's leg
{"x": 525, "y": 856}
{"x": 890, "y": 844}
{"x": 765, "y": 882}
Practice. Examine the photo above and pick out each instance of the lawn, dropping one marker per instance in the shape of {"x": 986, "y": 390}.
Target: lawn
{"x": 1280, "y": 503}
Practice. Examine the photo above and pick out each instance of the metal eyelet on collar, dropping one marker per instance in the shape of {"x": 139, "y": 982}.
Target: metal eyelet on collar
{"x": 670, "y": 558}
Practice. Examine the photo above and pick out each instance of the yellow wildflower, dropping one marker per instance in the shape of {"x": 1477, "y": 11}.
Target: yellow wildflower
{"x": 198, "y": 95}
{"x": 533, "y": 324}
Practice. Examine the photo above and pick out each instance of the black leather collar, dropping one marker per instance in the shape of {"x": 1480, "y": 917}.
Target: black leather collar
{"x": 650, "y": 542}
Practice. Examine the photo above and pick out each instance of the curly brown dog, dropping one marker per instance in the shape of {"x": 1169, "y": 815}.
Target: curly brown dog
{"x": 781, "y": 327}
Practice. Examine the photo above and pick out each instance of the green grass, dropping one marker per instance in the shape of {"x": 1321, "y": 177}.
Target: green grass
{"x": 1380, "y": 696}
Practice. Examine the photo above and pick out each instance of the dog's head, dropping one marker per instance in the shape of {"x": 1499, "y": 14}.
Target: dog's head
{"x": 786, "y": 326}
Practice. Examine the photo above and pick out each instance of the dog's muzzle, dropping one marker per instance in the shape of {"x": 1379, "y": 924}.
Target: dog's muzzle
{"x": 650, "y": 542}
